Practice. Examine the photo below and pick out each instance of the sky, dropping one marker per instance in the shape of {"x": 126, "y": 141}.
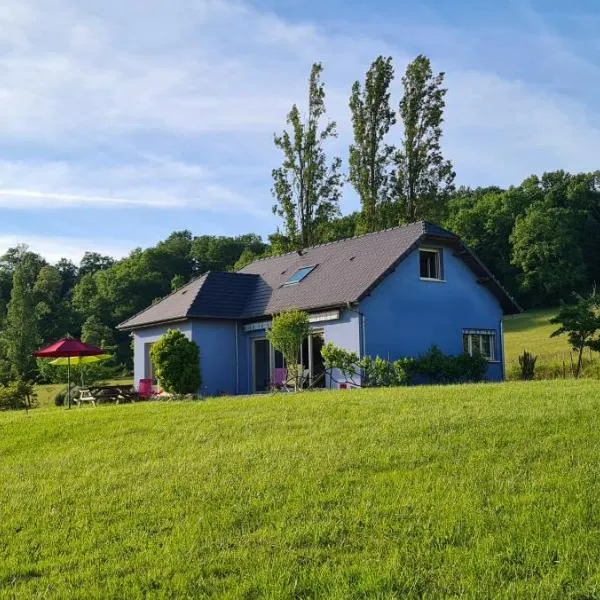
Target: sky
{"x": 122, "y": 121}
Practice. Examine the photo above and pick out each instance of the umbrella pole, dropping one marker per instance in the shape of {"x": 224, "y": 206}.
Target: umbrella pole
{"x": 68, "y": 382}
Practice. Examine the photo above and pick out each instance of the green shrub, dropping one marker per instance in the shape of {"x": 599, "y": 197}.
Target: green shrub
{"x": 60, "y": 399}
{"x": 344, "y": 361}
{"x": 15, "y": 395}
{"x": 436, "y": 367}
{"x": 378, "y": 372}
{"x": 527, "y": 364}
{"x": 432, "y": 367}
{"x": 177, "y": 363}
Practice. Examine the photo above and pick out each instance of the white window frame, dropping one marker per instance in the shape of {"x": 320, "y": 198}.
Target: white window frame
{"x": 311, "y": 365}
{"x": 438, "y": 263}
{"x": 478, "y": 334}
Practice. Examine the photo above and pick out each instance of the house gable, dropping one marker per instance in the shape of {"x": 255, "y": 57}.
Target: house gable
{"x": 405, "y": 314}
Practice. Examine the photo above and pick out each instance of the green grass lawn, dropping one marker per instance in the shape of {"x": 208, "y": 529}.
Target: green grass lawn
{"x": 464, "y": 491}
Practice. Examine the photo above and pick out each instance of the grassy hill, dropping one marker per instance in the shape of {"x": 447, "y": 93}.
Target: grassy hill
{"x": 478, "y": 491}
{"x": 531, "y": 331}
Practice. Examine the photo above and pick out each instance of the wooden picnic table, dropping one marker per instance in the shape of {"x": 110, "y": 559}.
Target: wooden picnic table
{"x": 114, "y": 393}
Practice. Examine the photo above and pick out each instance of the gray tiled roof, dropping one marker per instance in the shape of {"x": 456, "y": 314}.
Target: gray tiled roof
{"x": 345, "y": 272}
{"x": 215, "y": 295}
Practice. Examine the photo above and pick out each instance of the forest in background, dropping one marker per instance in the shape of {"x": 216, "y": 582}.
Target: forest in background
{"x": 540, "y": 238}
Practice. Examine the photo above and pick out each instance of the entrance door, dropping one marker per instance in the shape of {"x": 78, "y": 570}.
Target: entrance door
{"x": 317, "y": 375}
{"x": 148, "y": 368}
{"x": 262, "y": 365}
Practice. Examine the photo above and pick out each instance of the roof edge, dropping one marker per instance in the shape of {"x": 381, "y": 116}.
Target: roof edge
{"x": 123, "y": 324}
{"x": 354, "y": 237}
{"x": 124, "y": 327}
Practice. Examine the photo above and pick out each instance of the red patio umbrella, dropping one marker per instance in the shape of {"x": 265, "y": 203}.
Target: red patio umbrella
{"x": 68, "y": 348}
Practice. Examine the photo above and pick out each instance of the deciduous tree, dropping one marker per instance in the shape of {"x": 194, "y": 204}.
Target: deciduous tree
{"x": 546, "y": 249}
{"x": 422, "y": 177}
{"x": 581, "y": 323}
{"x": 307, "y": 187}
{"x": 20, "y": 337}
{"x": 372, "y": 117}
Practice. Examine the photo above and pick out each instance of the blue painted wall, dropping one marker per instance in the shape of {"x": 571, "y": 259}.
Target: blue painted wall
{"x": 404, "y": 315}
{"x": 149, "y": 335}
{"x": 216, "y": 340}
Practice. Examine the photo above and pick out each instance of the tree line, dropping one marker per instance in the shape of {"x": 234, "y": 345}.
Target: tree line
{"x": 541, "y": 237}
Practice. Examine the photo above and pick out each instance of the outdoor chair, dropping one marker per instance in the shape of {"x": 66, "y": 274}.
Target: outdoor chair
{"x": 280, "y": 382}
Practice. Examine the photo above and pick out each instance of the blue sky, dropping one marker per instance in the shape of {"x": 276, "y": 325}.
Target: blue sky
{"x": 123, "y": 121}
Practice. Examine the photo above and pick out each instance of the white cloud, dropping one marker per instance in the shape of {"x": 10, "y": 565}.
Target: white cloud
{"x": 140, "y": 84}
{"x": 36, "y": 199}
{"x": 152, "y": 182}
{"x": 55, "y": 248}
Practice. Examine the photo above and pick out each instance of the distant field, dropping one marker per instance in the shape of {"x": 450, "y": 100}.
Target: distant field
{"x": 481, "y": 491}
{"x": 531, "y": 331}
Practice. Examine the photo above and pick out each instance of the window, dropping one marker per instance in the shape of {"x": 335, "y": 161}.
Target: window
{"x": 480, "y": 340}
{"x": 299, "y": 275}
{"x": 430, "y": 261}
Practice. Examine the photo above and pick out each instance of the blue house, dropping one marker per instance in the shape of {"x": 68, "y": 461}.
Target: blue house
{"x": 393, "y": 293}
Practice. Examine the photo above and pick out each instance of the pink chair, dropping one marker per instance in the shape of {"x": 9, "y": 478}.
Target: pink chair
{"x": 280, "y": 380}
{"x": 145, "y": 388}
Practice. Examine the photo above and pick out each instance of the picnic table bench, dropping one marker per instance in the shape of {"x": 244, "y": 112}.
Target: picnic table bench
{"x": 85, "y": 396}
{"x": 113, "y": 393}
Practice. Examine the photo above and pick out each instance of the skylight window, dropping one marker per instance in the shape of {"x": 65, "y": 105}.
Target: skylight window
{"x": 299, "y": 275}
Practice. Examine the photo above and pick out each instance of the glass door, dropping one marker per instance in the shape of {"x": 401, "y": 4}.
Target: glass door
{"x": 312, "y": 361}
{"x": 261, "y": 357}
{"x": 317, "y": 367}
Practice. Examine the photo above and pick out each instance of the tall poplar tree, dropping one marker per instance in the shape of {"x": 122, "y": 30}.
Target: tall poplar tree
{"x": 307, "y": 186}
{"x": 422, "y": 178}
{"x": 20, "y": 336}
{"x": 372, "y": 117}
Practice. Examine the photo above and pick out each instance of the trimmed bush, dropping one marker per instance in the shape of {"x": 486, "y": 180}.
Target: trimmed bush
{"x": 176, "y": 362}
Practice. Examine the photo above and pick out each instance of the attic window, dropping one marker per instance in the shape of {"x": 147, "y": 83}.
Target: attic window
{"x": 299, "y": 275}
{"x": 430, "y": 264}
